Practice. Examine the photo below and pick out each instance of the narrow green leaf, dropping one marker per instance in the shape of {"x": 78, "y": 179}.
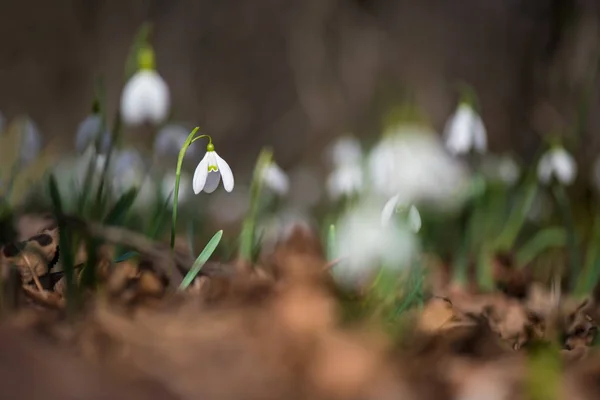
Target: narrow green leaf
{"x": 249, "y": 225}
{"x": 201, "y": 260}
{"x": 543, "y": 240}
{"x": 116, "y": 215}
{"x": 126, "y": 256}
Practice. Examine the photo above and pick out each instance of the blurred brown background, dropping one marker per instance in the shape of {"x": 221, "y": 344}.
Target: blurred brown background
{"x": 294, "y": 73}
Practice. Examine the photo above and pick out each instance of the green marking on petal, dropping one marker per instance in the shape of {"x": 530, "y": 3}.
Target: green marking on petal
{"x": 213, "y": 168}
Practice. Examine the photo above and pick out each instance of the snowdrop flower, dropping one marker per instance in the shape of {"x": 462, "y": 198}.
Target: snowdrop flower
{"x": 558, "y": 163}
{"x": 503, "y": 169}
{"x": 392, "y": 206}
{"x": 412, "y": 163}
{"x": 167, "y": 187}
{"x": 465, "y": 131}
{"x": 31, "y": 141}
{"x": 88, "y": 131}
{"x": 346, "y": 150}
{"x": 146, "y": 96}
{"x": 365, "y": 244}
{"x": 128, "y": 169}
{"x": 275, "y": 179}
{"x": 209, "y": 172}
{"x": 170, "y": 140}
{"x": 346, "y": 180}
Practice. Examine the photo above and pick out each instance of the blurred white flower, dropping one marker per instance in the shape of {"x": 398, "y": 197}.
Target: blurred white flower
{"x": 557, "y": 163}
{"x": 167, "y": 187}
{"x": 465, "y": 131}
{"x": 412, "y": 163}
{"x": 365, "y": 245}
{"x": 275, "y": 179}
{"x": 127, "y": 169}
{"x": 504, "y": 169}
{"x": 170, "y": 139}
{"x": 345, "y": 180}
{"x": 31, "y": 141}
{"x": 145, "y": 98}
{"x": 393, "y": 205}
{"x": 87, "y": 134}
{"x": 209, "y": 172}
{"x": 346, "y": 150}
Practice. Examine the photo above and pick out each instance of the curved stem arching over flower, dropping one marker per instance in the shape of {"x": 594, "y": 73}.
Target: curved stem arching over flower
{"x": 190, "y": 139}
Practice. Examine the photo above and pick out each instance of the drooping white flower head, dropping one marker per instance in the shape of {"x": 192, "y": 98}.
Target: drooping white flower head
{"x": 365, "y": 244}
{"x": 346, "y": 150}
{"x": 31, "y": 141}
{"x": 87, "y": 133}
{"x": 146, "y": 96}
{"x": 557, "y": 163}
{"x": 412, "y": 163}
{"x": 465, "y": 131}
{"x": 170, "y": 139}
{"x": 345, "y": 180}
{"x": 504, "y": 169}
{"x": 275, "y": 179}
{"x": 128, "y": 170}
{"x": 413, "y": 218}
{"x": 209, "y": 172}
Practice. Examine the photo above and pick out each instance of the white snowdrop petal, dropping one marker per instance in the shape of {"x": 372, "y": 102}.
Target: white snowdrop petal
{"x": 565, "y": 167}
{"x": 226, "y": 174}
{"x": 479, "y": 135}
{"x": 276, "y": 180}
{"x": 87, "y": 134}
{"x": 212, "y": 181}
{"x": 414, "y": 219}
{"x": 31, "y": 141}
{"x": 200, "y": 175}
{"x": 544, "y": 169}
{"x": 389, "y": 209}
{"x": 346, "y": 150}
{"x": 145, "y": 98}
{"x": 365, "y": 244}
{"x": 345, "y": 180}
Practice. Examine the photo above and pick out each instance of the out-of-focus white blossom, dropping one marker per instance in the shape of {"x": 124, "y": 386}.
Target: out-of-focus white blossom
{"x": 31, "y": 141}
{"x": 504, "y": 169}
{"x": 412, "y": 163}
{"x": 557, "y": 163}
{"x": 145, "y": 98}
{"x": 346, "y": 150}
{"x": 365, "y": 244}
{"x": 413, "y": 217}
{"x": 345, "y": 180}
{"x": 465, "y": 131}
{"x": 170, "y": 139}
{"x": 209, "y": 172}
{"x": 275, "y": 179}
{"x": 88, "y": 132}
{"x": 167, "y": 187}
{"x": 127, "y": 169}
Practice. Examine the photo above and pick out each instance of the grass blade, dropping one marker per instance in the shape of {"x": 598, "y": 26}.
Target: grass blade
{"x": 116, "y": 215}
{"x": 542, "y": 241}
{"x": 201, "y": 260}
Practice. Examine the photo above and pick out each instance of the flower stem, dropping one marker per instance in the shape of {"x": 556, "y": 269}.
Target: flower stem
{"x": 190, "y": 139}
